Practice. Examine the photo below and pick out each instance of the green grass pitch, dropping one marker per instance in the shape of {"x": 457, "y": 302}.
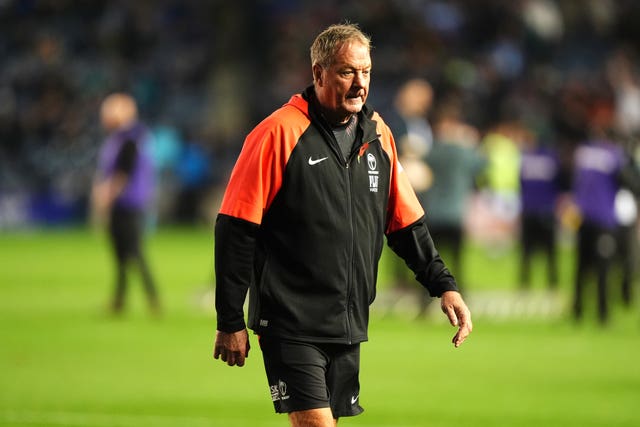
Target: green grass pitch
{"x": 64, "y": 362}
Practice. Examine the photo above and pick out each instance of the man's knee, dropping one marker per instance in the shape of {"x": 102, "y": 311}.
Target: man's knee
{"x": 320, "y": 417}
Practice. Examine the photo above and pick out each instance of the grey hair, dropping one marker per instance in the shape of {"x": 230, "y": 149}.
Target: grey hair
{"x": 327, "y": 43}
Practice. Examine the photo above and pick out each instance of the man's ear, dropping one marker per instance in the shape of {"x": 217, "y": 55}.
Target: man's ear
{"x": 317, "y": 73}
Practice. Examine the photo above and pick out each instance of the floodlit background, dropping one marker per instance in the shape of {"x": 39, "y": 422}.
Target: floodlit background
{"x": 204, "y": 73}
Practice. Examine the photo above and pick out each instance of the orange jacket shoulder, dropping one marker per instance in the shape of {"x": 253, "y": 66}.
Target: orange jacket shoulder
{"x": 257, "y": 175}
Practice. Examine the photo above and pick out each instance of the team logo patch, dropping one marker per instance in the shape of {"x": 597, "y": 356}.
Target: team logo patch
{"x": 373, "y": 173}
{"x": 279, "y": 391}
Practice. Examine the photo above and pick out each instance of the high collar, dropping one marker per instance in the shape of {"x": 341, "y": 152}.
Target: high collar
{"x": 364, "y": 116}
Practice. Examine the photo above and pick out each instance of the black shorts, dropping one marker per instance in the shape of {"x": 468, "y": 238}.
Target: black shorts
{"x": 306, "y": 376}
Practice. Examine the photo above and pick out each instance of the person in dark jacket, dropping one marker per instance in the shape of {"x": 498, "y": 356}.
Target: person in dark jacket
{"x": 315, "y": 190}
{"x": 123, "y": 191}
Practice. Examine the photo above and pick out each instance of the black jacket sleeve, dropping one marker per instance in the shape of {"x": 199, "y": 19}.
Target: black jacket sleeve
{"x": 234, "y": 251}
{"x": 415, "y": 246}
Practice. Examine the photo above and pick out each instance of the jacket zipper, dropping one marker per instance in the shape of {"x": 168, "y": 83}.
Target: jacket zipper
{"x": 335, "y": 148}
{"x": 352, "y": 238}
{"x": 351, "y": 244}
{"x": 347, "y": 171}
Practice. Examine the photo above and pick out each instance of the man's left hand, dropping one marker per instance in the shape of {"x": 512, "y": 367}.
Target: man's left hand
{"x": 459, "y": 315}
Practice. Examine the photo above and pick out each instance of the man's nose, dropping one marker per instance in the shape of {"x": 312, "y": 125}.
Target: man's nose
{"x": 359, "y": 79}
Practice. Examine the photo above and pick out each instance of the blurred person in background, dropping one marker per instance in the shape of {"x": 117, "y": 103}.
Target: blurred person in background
{"x": 408, "y": 121}
{"x": 412, "y": 103}
{"x": 599, "y": 174}
{"x": 499, "y": 181}
{"x": 540, "y": 187}
{"x": 123, "y": 191}
{"x": 626, "y": 209}
{"x": 455, "y": 163}
{"x": 314, "y": 192}
{"x": 623, "y": 77}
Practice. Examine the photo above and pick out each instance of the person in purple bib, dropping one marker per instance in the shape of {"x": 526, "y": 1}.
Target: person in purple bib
{"x": 598, "y": 166}
{"x": 539, "y": 192}
{"x": 123, "y": 191}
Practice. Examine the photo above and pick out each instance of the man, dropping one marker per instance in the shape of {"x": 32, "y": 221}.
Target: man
{"x": 540, "y": 188}
{"x": 599, "y": 166}
{"x": 122, "y": 192}
{"x": 316, "y": 187}
{"x": 455, "y": 163}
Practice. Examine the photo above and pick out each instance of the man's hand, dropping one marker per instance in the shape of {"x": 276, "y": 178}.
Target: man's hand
{"x": 232, "y": 347}
{"x": 459, "y": 315}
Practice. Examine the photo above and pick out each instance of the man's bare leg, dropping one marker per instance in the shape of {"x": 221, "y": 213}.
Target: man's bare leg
{"x": 321, "y": 417}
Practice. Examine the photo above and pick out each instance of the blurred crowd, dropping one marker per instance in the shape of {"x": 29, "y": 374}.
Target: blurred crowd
{"x": 204, "y": 72}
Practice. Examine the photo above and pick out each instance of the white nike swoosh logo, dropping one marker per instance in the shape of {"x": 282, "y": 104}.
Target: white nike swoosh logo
{"x": 315, "y": 162}
{"x": 354, "y": 399}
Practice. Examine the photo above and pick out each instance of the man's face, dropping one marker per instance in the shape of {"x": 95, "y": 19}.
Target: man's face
{"x": 342, "y": 88}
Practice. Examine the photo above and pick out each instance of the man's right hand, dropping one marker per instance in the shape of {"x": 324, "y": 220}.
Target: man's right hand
{"x": 232, "y": 347}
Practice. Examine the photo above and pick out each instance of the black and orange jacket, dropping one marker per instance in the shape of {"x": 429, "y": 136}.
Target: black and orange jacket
{"x": 304, "y": 230}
